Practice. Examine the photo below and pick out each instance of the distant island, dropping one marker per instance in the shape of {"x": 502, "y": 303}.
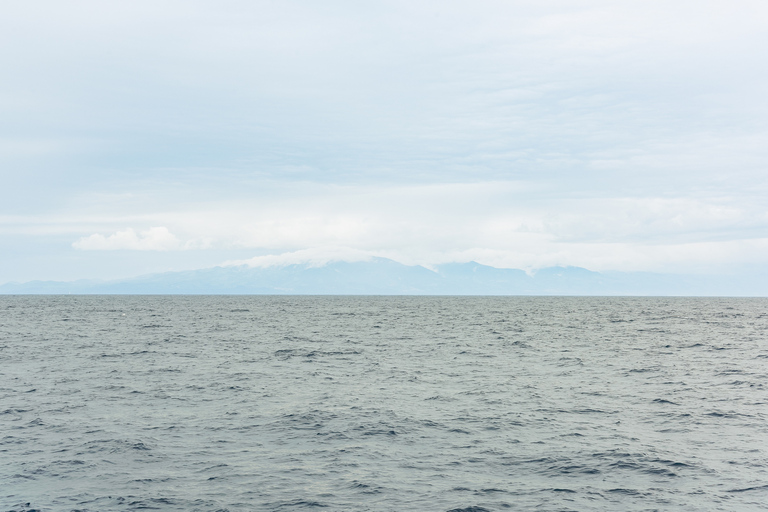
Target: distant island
{"x": 381, "y": 276}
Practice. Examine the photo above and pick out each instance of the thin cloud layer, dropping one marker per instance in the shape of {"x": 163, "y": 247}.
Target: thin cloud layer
{"x": 316, "y": 257}
{"x": 152, "y": 239}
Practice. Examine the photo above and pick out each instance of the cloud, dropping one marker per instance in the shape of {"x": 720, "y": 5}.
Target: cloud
{"x": 315, "y": 257}
{"x": 501, "y": 223}
{"x": 536, "y": 251}
{"x": 152, "y": 239}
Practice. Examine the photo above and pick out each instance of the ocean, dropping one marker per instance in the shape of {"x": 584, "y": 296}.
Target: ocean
{"x": 289, "y": 403}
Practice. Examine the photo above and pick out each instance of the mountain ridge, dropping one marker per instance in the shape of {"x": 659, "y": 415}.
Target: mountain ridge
{"x": 381, "y": 276}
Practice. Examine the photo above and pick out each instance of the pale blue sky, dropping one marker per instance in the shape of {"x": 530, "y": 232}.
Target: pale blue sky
{"x": 146, "y": 136}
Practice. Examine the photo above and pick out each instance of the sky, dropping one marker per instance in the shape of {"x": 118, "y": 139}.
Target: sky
{"x": 148, "y": 136}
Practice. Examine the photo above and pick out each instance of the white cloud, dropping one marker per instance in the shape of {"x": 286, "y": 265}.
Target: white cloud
{"x": 499, "y": 223}
{"x": 315, "y": 257}
{"x": 538, "y": 251}
{"x": 152, "y": 239}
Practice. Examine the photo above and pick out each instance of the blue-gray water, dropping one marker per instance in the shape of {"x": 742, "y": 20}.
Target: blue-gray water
{"x": 383, "y": 403}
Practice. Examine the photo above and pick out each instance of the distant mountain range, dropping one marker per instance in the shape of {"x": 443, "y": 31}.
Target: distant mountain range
{"x": 380, "y": 276}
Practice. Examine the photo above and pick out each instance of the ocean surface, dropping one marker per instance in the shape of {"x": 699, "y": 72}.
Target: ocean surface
{"x": 240, "y": 403}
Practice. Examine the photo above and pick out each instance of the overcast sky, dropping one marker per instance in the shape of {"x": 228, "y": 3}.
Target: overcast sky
{"x": 146, "y": 136}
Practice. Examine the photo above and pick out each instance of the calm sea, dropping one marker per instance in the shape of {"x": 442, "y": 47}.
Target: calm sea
{"x": 183, "y": 403}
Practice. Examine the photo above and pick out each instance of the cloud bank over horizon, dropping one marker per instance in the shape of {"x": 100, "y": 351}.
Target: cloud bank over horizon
{"x": 499, "y": 224}
{"x": 146, "y": 137}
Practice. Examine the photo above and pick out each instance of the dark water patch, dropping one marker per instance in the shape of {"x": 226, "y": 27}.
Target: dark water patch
{"x": 641, "y": 466}
{"x": 309, "y": 354}
{"x": 113, "y": 446}
{"x": 670, "y": 463}
{"x": 749, "y": 489}
{"x": 23, "y": 507}
{"x": 14, "y": 411}
{"x": 366, "y": 488}
{"x": 298, "y": 504}
{"x": 721, "y": 414}
{"x": 627, "y": 492}
{"x": 151, "y": 503}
